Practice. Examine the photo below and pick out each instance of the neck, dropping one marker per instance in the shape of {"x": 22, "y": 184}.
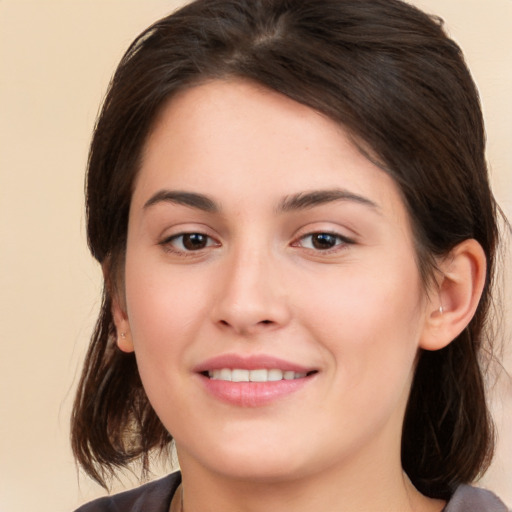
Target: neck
{"x": 382, "y": 488}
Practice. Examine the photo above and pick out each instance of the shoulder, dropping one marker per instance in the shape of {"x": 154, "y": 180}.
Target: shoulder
{"x": 473, "y": 499}
{"x": 155, "y": 496}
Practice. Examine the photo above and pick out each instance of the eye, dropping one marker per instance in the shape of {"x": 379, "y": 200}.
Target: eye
{"x": 322, "y": 241}
{"x": 187, "y": 242}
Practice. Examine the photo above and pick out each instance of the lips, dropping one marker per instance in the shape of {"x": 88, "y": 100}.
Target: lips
{"x": 254, "y": 362}
{"x": 252, "y": 381}
{"x": 258, "y": 375}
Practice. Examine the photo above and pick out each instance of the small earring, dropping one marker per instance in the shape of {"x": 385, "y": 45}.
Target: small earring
{"x": 441, "y": 310}
{"x": 123, "y": 335}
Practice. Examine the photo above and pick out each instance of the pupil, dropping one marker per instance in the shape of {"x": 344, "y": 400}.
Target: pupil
{"x": 323, "y": 241}
{"x": 194, "y": 241}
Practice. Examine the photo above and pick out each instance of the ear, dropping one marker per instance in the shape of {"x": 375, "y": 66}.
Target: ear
{"x": 118, "y": 310}
{"x": 124, "y": 335}
{"x": 459, "y": 288}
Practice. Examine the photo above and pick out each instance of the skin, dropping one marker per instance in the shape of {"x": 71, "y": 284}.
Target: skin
{"x": 256, "y": 283}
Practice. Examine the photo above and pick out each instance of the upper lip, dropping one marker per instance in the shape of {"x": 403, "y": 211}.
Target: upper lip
{"x": 253, "y": 362}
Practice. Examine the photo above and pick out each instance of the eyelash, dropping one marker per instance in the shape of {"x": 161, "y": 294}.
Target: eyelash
{"x": 168, "y": 242}
{"x": 340, "y": 242}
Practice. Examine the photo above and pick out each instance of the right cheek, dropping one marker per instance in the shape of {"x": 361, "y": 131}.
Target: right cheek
{"x": 163, "y": 300}
{"x": 159, "y": 312}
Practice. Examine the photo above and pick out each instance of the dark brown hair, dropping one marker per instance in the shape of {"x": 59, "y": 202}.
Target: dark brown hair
{"x": 390, "y": 75}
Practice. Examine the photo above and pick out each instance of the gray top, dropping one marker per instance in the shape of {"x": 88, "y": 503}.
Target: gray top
{"x": 473, "y": 499}
{"x": 156, "y": 497}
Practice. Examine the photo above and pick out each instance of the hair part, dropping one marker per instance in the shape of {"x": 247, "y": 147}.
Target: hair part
{"x": 387, "y": 73}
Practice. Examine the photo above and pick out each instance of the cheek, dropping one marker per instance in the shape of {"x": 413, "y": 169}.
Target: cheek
{"x": 370, "y": 320}
{"x": 163, "y": 308}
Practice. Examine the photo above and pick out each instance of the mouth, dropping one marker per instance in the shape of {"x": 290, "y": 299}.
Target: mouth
{"x": 257, "y": 375}
{"x": 253, "y": 381}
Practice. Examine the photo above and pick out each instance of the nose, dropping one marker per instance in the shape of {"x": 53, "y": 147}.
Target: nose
{"x": 252, "y": 296}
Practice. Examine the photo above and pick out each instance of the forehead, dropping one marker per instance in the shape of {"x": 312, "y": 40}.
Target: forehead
{"x": 240, "y": 139}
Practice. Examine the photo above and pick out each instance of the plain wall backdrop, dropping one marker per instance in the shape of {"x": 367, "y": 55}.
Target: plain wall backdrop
{"x": 56, "y": 58}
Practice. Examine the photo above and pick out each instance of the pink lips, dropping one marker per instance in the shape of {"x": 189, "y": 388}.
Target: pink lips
{"x": 249, "y": 363}
{"x": 251, "y": 394}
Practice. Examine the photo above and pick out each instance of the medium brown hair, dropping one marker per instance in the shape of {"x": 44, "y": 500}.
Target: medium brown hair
{"x": 390, "y": 75}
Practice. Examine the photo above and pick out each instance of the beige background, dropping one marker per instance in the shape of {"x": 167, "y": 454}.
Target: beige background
{"x": 56, "y": 58}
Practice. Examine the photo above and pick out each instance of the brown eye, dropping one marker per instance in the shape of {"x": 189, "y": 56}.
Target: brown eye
{"x": 323, "y": 241}
{"x": 194, "y": 241}
{"x": 188, "y": 242}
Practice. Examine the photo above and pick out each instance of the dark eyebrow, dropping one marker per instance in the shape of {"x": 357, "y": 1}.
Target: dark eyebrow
{"x": 304, "y": 200}
{"x": 199, "y": 201}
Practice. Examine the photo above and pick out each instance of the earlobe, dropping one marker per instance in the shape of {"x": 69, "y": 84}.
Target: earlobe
{"x": 118, "y": 310}
{"x": 454, "y": 302}
{"x": 123, "y": 332}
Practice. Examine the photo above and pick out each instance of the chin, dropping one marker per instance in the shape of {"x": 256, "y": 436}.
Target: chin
{"x": 262, "y": 470}
{"x": 252, "y": 461}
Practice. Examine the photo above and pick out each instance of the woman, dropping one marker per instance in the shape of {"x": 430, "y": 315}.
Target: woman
{"x": 290, "y": 204}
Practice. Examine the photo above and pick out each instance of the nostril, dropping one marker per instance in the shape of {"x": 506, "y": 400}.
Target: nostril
{"x": 245, "y": 327}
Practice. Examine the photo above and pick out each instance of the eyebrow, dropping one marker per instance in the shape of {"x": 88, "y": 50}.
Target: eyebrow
{"x": 305, "y": 200}
{"x": 299, "y": 201}
{"x": 192, "y": 199}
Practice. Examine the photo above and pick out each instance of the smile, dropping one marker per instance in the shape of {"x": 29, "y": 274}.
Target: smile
{"x": 254, "y": 380}
{"x": 258, "y": 375}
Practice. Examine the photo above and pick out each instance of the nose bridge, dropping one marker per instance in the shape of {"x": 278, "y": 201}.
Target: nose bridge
{"x": 251, "y": 295}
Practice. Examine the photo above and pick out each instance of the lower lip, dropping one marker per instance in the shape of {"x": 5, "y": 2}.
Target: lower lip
{"x": 253, "y": 394}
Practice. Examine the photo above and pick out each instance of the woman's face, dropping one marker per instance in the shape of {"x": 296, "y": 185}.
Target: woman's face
{"x": 271, "y": 288}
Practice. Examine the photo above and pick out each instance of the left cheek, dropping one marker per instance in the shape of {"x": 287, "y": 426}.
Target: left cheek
{"x": 366, "y": 324}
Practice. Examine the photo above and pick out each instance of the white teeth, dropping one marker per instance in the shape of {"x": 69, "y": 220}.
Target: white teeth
{"x": 220, "y": 374}
{"x": 274, "y": 375}
{"x": 260, "y": 375}
{"x": 224, "y": 374}
{"x": 240, "y": 375}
